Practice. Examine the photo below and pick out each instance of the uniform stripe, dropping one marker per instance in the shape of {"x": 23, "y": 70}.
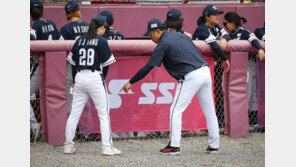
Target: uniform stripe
{"x": 69, "y": 58}
{"x": 108, "y": 111}
{"x": 171, "y": 127}
{"x": 109, "y": 61}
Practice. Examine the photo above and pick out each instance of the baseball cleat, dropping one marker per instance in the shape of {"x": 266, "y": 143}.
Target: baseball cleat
{"x": 69, "y": 149}
{"x": 210, "y": 150}
{"x": 108, "y": 151}
{"x": 168, "y": 150}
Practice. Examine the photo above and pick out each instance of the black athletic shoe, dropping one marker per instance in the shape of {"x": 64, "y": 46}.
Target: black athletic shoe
{"x": 168, "y": 150}
{"x": 210, "y": 150}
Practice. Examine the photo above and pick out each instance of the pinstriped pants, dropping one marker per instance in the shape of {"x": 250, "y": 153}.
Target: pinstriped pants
{"x": 198, "y": 83}
{"x": 89, "y": 84}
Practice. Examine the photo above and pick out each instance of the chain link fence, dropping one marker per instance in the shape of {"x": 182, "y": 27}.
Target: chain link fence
{"x": 35, "y": 112}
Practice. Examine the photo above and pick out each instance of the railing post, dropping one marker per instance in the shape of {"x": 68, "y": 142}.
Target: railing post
{"x": 52, "y": 81}
{"x": 235, "y": 96}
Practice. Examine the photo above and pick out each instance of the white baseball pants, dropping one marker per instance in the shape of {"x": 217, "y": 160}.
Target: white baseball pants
{"x": 197, "y": 82}
{"x": 89, "y": 84}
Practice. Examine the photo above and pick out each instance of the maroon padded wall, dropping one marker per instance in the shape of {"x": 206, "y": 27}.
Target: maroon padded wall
{"x": 131, "y": 20}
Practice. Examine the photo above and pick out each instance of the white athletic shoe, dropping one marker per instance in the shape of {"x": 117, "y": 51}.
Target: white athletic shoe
{"x": 69, "y": 149}
{"x": 108, "y": 151}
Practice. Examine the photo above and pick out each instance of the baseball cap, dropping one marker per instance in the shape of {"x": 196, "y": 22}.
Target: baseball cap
{"x": 109, "y": 16}
{"x": 153, "y": 25}
{"x": 71, "y": 7}
{"x": 174, "y": 15}
{"x": 36, "y": 3}
{"x": 211, "y": 10}
{"x": 99, "y": 20}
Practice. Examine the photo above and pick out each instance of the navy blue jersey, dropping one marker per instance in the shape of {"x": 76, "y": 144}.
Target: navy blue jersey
{"x": 73, "y": 30}
{"x": 46, "y": 30}
{"x": 260, "y": 33}
{"x": 90, "y": 54}
{"x": 243, "y": 34}
{"x": 180, "y": 31}
{"x": 113, "y": 35}
{"x": 178, "y": 54}
{"x": 207, "y": 34}
{"x": 32, "y": 34}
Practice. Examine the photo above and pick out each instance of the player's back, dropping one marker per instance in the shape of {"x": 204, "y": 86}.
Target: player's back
{"x": 89, "y": 54}
{"x": 46, "y": 30}
{"x": 181, "y": 53}
{"x": 75, "y": 29}
{"x": 113, "y": 35}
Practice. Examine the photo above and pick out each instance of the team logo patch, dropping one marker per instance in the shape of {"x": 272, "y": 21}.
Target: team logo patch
{"x": 70, "y": 9}
{"x": 154, "y": 25}
{"x": 214, "y": 7}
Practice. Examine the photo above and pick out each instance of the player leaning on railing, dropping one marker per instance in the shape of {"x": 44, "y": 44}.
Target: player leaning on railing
{"x": 184, "y": 62}
{"x": 233, "y": 23}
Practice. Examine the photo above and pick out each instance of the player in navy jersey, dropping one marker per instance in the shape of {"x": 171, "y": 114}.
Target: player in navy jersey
{"x": 111, "y": 33}
{"x": 209, "y": 31}
{"x": 43, "y": 30}
{"x": 184, "y": 62}
{"x": 174, "y": 22}
{"x": 233, "y": 23}
{"x": 76, "y": 27}
{"x": 72, "y": 31}
{"x": 89, "y": 56}
{"x": 213, "y": 34}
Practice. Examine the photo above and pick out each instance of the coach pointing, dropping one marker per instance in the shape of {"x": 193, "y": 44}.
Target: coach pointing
{"x": 185, "y": 63}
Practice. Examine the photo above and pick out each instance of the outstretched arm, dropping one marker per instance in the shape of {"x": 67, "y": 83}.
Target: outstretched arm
{"x": 139, "y": 75}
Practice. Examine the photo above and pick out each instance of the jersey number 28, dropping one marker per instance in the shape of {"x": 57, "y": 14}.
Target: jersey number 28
{"x": 86, "y": 57}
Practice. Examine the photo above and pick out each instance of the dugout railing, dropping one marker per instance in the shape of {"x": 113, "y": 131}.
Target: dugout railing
{"x": 231, "y": 103}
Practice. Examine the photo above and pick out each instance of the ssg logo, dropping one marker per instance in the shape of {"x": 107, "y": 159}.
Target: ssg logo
{"x": 150, "y": 98}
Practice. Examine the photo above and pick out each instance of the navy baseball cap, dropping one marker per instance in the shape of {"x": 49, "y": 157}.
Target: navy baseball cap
{"x": 153, "y": 25}
{"x": 174, "y": 15}
{"x": 100, "y": 20}
{"x": 36, "y": 3}
{"x": 211, "y": 10}
{"x": 109, "y": 16}
{"x": 71, "y": 7}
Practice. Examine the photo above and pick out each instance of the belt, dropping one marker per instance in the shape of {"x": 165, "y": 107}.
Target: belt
{"x": 92, "y": 70}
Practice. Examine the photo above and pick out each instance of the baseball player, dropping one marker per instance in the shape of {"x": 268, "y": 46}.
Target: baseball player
{"x": 174, "y": 22}
{"x": 111, "y": 33}
{"x": 41, "y": 29}
{"x": 184, "y": 62}
{"x": 209, "y": 31}
{"x": 72, "y": 31}
{"x": 89, "y": 56}
{"x": 233, "y": 23}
